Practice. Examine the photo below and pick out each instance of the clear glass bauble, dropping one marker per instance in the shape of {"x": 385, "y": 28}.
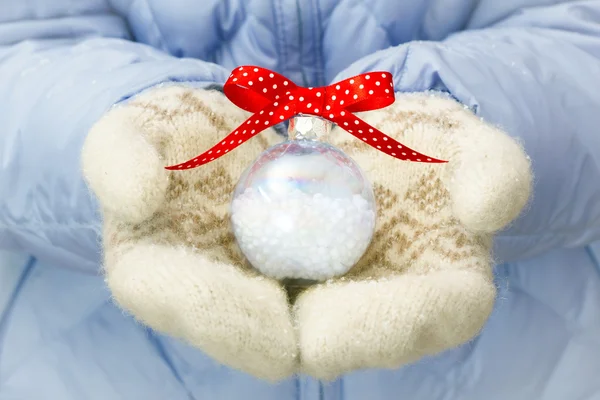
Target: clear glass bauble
{"x": 304, "y": 210}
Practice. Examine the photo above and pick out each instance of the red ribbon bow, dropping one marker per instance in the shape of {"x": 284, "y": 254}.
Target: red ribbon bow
{"x": 273, "y": 98}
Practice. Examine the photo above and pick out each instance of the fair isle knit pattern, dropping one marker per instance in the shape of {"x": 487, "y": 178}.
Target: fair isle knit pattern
{"x": 424, "y": 285}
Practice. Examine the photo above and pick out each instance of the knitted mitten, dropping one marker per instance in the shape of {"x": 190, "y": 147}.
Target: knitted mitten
{"x": 169, "y": 255}
{"x": 425, "y": 284}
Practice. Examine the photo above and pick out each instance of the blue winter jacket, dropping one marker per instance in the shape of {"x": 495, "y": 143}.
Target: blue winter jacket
{"x": 530, "y": 66}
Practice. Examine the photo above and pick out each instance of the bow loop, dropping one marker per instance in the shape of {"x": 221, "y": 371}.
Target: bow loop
{"x": 272, "y": 98}
{"x": 364, "y": 92}
{"x": 251, "y": 88}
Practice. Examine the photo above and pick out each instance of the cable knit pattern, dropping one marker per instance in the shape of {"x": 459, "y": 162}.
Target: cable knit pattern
{"x": 424, "y": 285}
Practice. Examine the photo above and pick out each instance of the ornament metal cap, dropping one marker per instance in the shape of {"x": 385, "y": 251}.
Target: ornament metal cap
{"x": 308, "y": 127}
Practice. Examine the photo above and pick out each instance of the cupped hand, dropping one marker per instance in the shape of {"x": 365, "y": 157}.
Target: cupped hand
{"x": 425, "y": 284}
{"x": 170, "y": 258}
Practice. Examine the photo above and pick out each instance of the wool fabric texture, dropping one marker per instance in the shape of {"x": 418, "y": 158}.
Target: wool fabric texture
{"x": 423, "y": 286}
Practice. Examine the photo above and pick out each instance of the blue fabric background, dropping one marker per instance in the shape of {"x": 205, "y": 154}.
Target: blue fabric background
{"x": 530, "y": 66}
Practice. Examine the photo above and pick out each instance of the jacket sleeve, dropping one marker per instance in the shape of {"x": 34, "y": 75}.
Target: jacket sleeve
{"x": 536, "y": 75}
{"x": 58, "y": 75}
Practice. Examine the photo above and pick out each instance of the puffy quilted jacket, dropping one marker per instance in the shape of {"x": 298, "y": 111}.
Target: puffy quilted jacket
{"x": 530, "y": 66}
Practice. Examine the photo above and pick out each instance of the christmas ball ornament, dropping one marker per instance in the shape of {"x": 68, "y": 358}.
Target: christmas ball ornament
{"x": 303, "y": 210}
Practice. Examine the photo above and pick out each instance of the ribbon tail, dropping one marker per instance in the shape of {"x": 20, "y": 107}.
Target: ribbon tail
{"x": 246, "y": 131}
{"x": 380, "y": 141}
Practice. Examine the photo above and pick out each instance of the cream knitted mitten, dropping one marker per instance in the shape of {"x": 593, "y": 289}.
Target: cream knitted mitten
{"x": 425, "y": 284}
{"x": 169, "y": 256}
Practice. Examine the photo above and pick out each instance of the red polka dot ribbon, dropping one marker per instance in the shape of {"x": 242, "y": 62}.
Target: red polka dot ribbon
{"x": 273, "y": 98}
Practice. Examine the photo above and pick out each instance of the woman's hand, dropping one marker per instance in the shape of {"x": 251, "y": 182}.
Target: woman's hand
{"x": 170, "y": 256}
{"x": 425, "y": 284}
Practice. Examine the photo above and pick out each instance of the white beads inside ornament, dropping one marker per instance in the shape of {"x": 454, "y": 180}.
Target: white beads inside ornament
{"x": 303, "y": 210}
